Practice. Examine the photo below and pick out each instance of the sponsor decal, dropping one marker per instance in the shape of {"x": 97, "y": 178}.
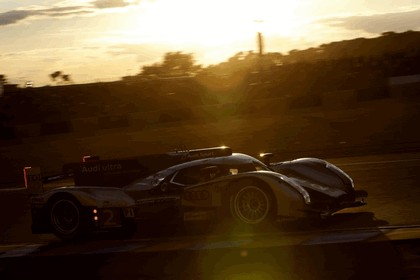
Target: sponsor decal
{"x": 101, "y": 168}
{"x": 196, "y": 195}
{"x": 129, "y": 212}
{"x": 158, "y": 200}
{"x": 198, "y": 155}
{"x": 34, "y": 178}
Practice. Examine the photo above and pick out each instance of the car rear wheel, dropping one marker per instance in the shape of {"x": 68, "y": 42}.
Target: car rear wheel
{"x": 252, "y": 205}
{"x": 66, "y": 218}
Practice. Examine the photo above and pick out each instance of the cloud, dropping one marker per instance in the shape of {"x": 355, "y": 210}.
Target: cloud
{"x": 398, "y": 22}
{"x": 105, "y": 4}
{"x": 64, "y": 11}
{"x": 15, "y": 16}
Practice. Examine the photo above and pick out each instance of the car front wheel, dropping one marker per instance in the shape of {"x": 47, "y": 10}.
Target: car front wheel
{"x": 252, "y": 205}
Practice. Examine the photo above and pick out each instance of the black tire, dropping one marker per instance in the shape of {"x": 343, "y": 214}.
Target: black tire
{"x": 252, "y": 205}
{"x": 66, "y": 218}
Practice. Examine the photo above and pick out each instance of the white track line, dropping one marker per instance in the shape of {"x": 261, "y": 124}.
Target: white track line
{"x": 378, "y": 162}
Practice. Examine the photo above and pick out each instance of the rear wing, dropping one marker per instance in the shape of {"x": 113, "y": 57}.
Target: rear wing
{"x": 93, "y": 171}
{"x": 34, "y": 181}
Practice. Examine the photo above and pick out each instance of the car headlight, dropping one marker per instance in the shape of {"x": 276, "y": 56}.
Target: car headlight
{"x": 157, "y": 181}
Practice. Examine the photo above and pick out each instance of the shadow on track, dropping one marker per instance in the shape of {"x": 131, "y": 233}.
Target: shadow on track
{"x": 340, "y": 221}
{"x": 259, "y": 256}
{"x": 345, "y": 221}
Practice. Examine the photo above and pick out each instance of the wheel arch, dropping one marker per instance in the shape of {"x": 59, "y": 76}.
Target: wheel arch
{"x": 61, "y": 195}
{"x": 288, "y": 201}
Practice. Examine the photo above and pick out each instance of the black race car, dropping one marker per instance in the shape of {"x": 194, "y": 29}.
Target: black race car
{"x": 244, "y": 188}
{"x": 188, "y": 186}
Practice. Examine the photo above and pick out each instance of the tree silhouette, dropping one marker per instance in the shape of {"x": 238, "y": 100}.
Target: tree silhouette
{"x": 65, "y": 78}
{"x": 152, "y": 70}
{"x": 175, "y": 64}
{"x": 55, "y": 75}
{"x": 2, "y": 82}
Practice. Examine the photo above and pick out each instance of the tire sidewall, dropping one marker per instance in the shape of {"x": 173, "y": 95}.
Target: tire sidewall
{"x": 234, "y": 197}
{"x": 78, "y": 230}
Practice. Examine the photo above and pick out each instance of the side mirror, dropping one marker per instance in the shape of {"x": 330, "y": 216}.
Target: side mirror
{"x": 266, "y": 158}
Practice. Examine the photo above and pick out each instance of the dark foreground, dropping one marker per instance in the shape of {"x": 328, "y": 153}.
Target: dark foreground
{"x": 366, "y": 260}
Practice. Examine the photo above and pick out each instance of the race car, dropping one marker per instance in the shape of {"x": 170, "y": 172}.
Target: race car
{"x": 244, "y": 189}
{"x": 188, "y": 186}
{"x": 72, "y": 212}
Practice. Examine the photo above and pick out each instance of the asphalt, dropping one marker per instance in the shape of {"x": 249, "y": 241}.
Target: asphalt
{"x": 240, "y": 258}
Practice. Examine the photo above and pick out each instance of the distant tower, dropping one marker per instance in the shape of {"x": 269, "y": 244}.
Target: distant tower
{"x": 260, "y": 43}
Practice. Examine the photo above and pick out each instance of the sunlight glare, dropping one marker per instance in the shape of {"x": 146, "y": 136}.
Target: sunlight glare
{"x": 212, "y": 23}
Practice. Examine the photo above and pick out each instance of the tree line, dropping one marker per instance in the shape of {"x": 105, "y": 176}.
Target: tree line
{"x": 359, "y": 52}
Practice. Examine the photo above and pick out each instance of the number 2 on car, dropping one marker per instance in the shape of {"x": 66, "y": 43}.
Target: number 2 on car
{"x": 111, "y": 218}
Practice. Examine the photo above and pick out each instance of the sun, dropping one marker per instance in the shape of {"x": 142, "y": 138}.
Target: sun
{"x": 211, "y": 29}
{"x": 211, "y": 23}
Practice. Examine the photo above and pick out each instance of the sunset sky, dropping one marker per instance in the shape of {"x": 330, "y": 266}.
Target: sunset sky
{"x": 104, "y": 40}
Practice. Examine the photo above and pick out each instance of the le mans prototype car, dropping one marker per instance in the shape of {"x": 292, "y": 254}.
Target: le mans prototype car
{"x": 245, "y": 189}
{"x": 210, "y": 184}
